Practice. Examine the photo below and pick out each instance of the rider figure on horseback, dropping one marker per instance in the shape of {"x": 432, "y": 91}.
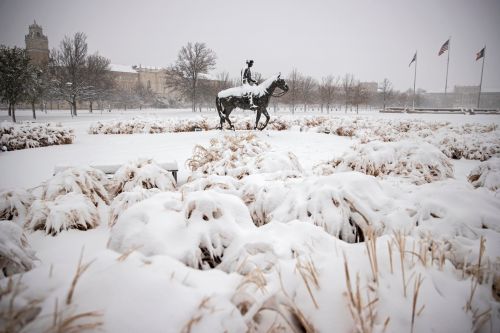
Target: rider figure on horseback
{"x": 246, "y": 79}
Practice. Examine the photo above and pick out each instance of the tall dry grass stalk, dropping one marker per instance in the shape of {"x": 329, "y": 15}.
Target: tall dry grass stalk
{"x": 363, "y": 313}
{"x": 477, "y": 274}
{"x": 309, "y": 276}
{"x": 414, "y": 312}
{"x": 15, "y": 317}
{"x": 65, "y": 322}
{"x": 371, "y": 249}
{"x": 195, "y": 319}
{"x": 80, "y": 269}
{"x": 400, "y": 239}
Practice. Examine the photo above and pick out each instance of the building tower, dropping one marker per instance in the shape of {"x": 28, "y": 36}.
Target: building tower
{"x": 37, "y": 45}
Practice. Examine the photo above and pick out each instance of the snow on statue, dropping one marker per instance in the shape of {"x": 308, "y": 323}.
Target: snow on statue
{"x": 249, "y": 96}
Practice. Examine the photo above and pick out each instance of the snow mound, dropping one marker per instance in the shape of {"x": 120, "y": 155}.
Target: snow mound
{"x": 69, "y": 211}
{"x": 487, "y": 174}
{"x": 239, "y": 156}
{"x": 14, "y": 205}
{"x": 453, "y": 213}
{"x": 145, "y": 173}
{"x": 417, "y": 161}
{"x": 16, "y": 255}
{"x": 223, "y": 184}
{"x": 88, "y": 181}
{"x": 194, "y": 230}
{"x": 126, "y": 199}
{"x": 32, "y": 135}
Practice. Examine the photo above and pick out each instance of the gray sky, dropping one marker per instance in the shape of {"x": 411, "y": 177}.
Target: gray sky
{"x": 371, "y": 39}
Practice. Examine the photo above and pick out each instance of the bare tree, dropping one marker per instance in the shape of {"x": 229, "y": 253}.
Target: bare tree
{"x": 68, "y": 69}
{"x": 386, "y": 91}
{"x": 347, "y": 87}
{"x": 192, "y": 60}
{"x": 14, "y": 76}
{"x": 293, "y": 82}
{"x": 36, "y": 86}
{"x": 327, "y": 90}
{"x": 360, "y": 95}
{"x": 307, "y": 87}
{"x": 98, "y": 77}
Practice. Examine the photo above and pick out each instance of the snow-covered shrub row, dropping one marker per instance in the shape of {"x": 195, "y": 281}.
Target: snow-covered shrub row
{"x": 14, "y": 205}
{"x": 239, "y": 156}
{"x": 145, "y": 173}
{"x": 16, "y": 255}
{"x": 487, "y": 174}
{"x": 417, "y": 161}
{"x": 458, "y": 144}
{"x": 153, "y": 125}
{"x": 470, "y": 141}
{"x": 31, "y": 135}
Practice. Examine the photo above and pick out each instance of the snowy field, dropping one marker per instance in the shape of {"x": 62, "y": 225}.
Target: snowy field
{"x": 362, "y": 222}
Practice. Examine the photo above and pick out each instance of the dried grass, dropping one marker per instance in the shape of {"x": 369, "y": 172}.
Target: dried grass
{"x": 14, "y": 314}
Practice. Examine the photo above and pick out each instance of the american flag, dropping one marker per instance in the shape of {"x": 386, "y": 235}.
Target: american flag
{"x": 480, "y": 54}
{"x": 444, "y": 48}
{"x": 414, "y": 59}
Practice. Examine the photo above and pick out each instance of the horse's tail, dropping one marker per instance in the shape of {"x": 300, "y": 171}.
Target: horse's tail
{"x": 218, "y": 104}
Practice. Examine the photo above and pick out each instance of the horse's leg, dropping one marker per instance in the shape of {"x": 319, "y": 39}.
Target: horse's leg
{"x": 259, "y": 111}
{"x": 267, "y": 118}
{"x": 227, "y": 112}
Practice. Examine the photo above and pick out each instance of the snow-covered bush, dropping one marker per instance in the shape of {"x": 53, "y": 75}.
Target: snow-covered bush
{"x": 239, "y": 156}
{"x": 152, "y": 125}
{"x": 88, "y": 181}
{"x": 145, "y": 173}
{"x": 126, "y": 199}
{"x": 69, "y": 211}
{"x": 14, "y": 204}
{"x": 223, "y": 184}
{"x": 31, "y": 135}
{"x": 16, "y": 255}
{"x": 460, "y": 143}
{"x": 417, "y": 161}
{"x": 195, "y": 229}
{"x": 487, "y": 174}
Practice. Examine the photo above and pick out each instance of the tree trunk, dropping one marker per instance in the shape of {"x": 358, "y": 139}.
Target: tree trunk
{"x": 13, "y": 112}
{"x": 10, "y": 110}
{"x": 90, "y": 106}
{"x": 33, "y": 109}
{"x": 74, "y": 107}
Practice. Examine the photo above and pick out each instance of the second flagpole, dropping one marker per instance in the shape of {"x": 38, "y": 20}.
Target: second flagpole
{"x": 415, "y": 79}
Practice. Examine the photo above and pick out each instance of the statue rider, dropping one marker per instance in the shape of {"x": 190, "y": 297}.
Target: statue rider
{"x": 246, "y": 79}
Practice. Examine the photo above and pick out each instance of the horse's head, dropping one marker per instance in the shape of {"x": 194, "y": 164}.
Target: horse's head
{"x": 280, "y": 83}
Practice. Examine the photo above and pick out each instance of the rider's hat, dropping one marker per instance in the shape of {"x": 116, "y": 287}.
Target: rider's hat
{"x": 249, "y": 62}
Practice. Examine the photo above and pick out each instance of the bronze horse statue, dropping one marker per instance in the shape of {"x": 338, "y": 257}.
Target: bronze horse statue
{"x": 237, "y": 97}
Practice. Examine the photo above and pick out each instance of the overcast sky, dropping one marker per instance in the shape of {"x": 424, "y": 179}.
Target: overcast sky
{"x": 371, "y": 39}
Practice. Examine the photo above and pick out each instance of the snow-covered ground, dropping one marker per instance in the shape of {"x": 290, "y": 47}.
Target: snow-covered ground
{"x": 282, "y": 231}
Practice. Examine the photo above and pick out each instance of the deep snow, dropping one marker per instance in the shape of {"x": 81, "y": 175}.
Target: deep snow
{"x": 297, "y": 270}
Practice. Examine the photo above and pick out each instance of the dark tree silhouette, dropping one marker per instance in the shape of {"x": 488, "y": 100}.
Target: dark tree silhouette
{"x": 183, "y": 76}
{"x": 14, "y": 76}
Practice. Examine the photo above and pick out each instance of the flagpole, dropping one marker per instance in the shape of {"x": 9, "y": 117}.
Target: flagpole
{"x": 415, "y": 79}
{"x": 481, "y": 81}
{"x": 447, "y": 65}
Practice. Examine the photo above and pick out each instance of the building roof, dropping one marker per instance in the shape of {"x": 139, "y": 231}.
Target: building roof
{"x": 122, "y": 68}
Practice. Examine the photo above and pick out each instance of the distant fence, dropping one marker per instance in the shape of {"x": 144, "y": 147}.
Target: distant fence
{"x": 440, "y": 110}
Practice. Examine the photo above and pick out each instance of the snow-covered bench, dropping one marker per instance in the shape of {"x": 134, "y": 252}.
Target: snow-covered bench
{"x": 110, "y": 169}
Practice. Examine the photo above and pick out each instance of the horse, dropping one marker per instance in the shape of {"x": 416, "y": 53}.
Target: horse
{"x": 237, "y": 97}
